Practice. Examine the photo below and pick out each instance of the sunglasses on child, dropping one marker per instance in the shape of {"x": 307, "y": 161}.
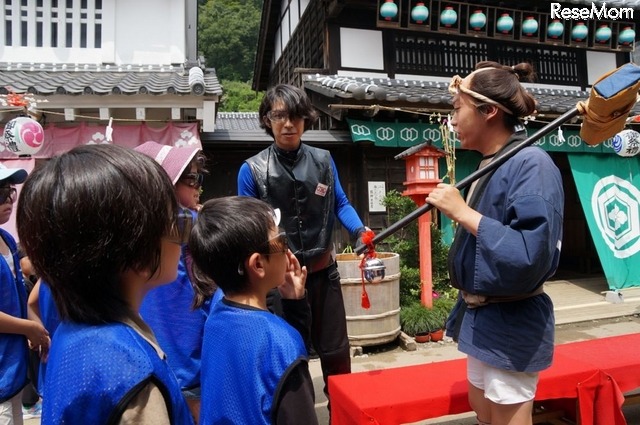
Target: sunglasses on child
{"x": 181, "y": 229}
{"x": 276, "y": 245}
{"x": 6, "y": 193}
{"x": 193, "y": 180}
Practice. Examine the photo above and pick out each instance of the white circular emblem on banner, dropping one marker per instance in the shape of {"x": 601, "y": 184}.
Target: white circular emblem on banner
{"x": 616, "y": 209}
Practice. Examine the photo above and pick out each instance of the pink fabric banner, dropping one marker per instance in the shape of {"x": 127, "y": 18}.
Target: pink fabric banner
{"x": 62, "y": 139}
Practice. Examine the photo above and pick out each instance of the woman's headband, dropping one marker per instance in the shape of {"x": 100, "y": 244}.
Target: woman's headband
{"x": 456, "y": 87}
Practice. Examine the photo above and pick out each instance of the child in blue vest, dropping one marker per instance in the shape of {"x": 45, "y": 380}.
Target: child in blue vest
{"x": 15, "y": 328}
{"x": 168, "y": 309}
{"x": 102, "y": 227}
{"x": 254, "y": 364}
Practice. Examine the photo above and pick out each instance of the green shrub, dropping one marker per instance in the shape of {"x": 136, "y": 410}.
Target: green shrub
{"x": 409, "y": 284}
{"x": 416, "y": 318}
{"x": 405, "y": 242}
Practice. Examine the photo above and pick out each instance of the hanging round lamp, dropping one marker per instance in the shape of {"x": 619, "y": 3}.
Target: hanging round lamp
{"x": 477, "y": 20}
{"x": 555, "y": 29}
{"x": 448, "y": 17}
{"x": 505, "y": 23}
{"x": 420, "y": 13}
{"x": 389, "y": 10}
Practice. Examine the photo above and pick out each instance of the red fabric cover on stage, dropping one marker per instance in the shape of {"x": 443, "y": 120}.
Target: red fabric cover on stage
{"x": 595, "y": 372}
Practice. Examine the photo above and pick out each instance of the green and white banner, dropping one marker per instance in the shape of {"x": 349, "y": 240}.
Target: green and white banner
{"x": 407, "y": 134}
{"x": 609, "y": 190}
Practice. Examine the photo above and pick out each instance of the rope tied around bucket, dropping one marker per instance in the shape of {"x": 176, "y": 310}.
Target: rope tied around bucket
{"x": 367, "y": 239}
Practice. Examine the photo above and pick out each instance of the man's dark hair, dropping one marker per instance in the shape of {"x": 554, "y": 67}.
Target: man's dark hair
{"x": 295, "y": 101}
{"x": 85, "y": 217}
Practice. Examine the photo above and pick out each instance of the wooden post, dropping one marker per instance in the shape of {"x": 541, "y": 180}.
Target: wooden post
{"x": 426, "y": 279}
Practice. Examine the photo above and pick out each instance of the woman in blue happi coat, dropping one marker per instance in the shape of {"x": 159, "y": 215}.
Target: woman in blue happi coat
{"x": 506, "y": 246}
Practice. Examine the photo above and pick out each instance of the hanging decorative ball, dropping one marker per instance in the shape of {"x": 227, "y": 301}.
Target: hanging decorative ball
{"x": 626, "y": 36}
{"x": 23, "y": 136}
{"x": 505, "y": 23}
{"x": 626, "y": 143}
{"x": 555, "y": 29}
{"x": 420, "y": 13}
{"x": 448, "y": 17}
{"x": 389, "y": 10}
{"x": 603, "y": 34}
{"x": 477, "y": 20}
{"x": 529, "y": 26}
{"x": 579, "y": 32}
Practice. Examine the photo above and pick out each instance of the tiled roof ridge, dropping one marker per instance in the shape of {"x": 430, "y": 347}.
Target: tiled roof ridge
{"x": 91, "y": 67}
{"x": 424, "y": 92}
{"x": 89, "y": 82}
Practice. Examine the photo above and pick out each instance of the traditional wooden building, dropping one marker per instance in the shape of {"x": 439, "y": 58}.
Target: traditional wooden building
{"x": 380, "y": 69}
{"x": 94, "y": 71}
{"x": 84, "y": 63}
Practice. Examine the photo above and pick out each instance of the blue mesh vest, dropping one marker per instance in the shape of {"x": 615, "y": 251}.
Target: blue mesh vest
{"x": 302, "y": 187}
{"x": 245, "y": 355}
{"x": 13, "y": 347}
{"x": 95, "y": 371}
{"x": 177, "y": 327}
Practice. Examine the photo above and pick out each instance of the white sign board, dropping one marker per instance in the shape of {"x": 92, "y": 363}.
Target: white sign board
{"x": 377, "y": 192}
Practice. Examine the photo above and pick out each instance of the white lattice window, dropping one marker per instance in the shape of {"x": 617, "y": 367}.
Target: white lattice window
{"x": 52, "y": 23}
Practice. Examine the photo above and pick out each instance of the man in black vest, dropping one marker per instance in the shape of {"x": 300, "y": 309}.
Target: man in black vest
{"x": 302, "y": 181}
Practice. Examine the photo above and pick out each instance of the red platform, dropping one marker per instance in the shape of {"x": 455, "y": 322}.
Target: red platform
{"x": 594, "y": 373}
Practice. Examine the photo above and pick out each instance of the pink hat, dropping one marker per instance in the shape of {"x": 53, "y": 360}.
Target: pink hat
{"x": 174, "y": 160}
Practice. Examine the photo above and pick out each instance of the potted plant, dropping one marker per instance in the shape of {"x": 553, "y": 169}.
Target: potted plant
{"x": 442, "y": 307}
{"x": 418, "y": 321}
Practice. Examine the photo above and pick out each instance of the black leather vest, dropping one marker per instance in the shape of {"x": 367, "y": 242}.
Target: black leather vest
{"x": 302, "y": 187}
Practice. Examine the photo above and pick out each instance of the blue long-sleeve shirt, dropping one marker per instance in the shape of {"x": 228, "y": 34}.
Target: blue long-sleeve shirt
{"x": 343, "y": 208}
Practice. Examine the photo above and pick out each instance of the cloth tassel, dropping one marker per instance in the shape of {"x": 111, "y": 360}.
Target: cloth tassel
{"x": 367, "y": 239}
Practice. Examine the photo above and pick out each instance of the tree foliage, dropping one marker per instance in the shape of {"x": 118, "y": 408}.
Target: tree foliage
{"x": 239, "y": 97}
{"x": 228, "y": 36}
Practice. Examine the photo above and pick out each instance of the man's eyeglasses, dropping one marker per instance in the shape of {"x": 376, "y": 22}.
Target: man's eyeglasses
{"x": 181, "y": 229}
{"x": 280, "y": 116}
{"x": 193, "y": 180}
{"x": 276, "y": 245}
{"x": 6, "y": 193}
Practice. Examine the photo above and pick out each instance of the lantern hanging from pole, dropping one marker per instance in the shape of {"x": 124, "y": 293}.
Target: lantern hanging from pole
{"x": 626, "y": 143}
{"x": 23, "y": 136}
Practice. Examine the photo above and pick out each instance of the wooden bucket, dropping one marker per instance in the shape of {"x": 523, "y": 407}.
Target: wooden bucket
{"x": 380, "y": 323}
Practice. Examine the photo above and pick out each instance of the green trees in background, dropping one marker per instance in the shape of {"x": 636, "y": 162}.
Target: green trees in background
{"x": 238, "y": 96}
{"x": 228, "y": 38}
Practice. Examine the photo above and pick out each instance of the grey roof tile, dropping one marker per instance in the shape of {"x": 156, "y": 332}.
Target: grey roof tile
{"x": 248, "y": 121}
{"x": 426, "y": 93}
{"x": 84, "y": 79}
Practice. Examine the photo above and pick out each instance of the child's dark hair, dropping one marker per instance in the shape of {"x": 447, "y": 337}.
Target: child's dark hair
{"x": 85, "y": 217}
{"x": 295, "y": 101}
{"x": 227, "y": 231}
